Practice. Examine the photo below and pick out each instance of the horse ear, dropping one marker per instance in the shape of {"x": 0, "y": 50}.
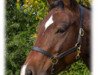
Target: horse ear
{"x": 62, "y": 3}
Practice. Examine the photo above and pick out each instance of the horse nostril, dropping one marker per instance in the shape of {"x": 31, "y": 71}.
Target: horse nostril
{"x": 28, "y": 71}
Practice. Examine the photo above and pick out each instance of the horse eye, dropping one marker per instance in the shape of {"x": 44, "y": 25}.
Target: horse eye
{"x": 61, "y": 30}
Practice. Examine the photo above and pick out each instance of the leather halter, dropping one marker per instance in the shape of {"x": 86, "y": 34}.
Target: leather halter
{"x": 77, "y": 46}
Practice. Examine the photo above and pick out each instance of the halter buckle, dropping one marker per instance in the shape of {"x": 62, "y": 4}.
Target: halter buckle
{"x": 81, "y": 32}
{"x": 78, "y": 52}
{"x": 54, "y": 60}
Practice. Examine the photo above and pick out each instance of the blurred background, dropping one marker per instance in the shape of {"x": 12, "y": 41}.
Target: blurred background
{"x": 22, "y": 19}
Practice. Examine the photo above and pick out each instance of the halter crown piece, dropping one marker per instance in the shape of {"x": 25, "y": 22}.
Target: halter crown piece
{"x": 77, "y": 46}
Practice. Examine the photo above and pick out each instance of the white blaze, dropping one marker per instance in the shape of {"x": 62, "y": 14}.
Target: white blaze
{"x": 23, "y": 70}
{"x": 49, "y": 22}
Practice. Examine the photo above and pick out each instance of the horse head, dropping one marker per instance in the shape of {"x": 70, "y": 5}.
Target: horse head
{"x": 59, "y": 36}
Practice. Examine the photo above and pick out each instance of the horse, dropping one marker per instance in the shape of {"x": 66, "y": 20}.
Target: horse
{"x": 63, "y": 37}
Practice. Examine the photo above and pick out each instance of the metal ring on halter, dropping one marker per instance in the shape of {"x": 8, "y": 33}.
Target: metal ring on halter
{"x": 81, "y": 32}
{"x": 54, "y": 60}
{"x": 77, "y": 44}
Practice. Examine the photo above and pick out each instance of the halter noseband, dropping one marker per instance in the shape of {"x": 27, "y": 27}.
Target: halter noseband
{"x": 77, "y": 46}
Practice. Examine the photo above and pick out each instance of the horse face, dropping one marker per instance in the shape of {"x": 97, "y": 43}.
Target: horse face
{"x": 56, "y": 33}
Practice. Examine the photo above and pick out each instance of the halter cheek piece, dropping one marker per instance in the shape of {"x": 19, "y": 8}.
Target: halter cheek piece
{"x": 77, "y": 46}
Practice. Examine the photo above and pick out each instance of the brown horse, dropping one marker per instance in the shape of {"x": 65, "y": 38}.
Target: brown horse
{"x": 63, "y": 36}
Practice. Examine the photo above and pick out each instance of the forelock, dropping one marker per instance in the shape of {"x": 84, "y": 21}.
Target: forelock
{"x": 57, "y": 3}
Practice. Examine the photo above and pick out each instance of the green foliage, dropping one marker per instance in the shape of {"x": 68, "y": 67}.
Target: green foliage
{"x": 22, "y": 18}
{"x": 86, "y": 3}
{"x": 20, "y": 27}
{"x": 77, "y": 68}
